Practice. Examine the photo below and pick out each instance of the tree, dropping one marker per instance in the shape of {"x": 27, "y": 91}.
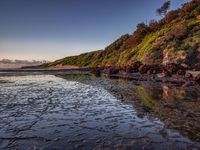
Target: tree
{"x": 163, "y": 9}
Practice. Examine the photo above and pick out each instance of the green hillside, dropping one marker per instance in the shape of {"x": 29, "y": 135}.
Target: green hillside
{"x": 174, "y": 38}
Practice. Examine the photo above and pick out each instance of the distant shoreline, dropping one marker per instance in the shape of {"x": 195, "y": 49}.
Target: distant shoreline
{"x": 40, "y": 69}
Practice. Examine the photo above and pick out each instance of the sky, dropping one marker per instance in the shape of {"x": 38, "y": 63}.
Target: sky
{"x": 53, "y": 29}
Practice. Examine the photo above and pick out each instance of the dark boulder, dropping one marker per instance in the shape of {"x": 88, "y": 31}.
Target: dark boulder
{"x": 156, "y": 68}
{"x": 181, "y": 72}
{"x": 128, "y": 69}
{"x": 197, "y": 79}
{"x": 111, "y": 70}
{"x": 172, "y": 68}
{"x": 143, "y": 69}
{"x": 150, "y": 69}
{"x": 150, "y": 72}
{"x": 176, "y": 68}
{"x": 96, "y": 71}
{"x": 136, "y": 65}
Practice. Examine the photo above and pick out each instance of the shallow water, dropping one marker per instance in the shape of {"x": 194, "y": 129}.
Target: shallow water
{"x": 48, "y": 112}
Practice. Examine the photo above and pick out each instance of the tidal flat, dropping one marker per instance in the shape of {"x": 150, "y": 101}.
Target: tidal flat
{"x": 85, "y": 112}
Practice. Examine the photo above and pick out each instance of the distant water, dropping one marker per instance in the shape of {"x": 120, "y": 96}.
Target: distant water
{"x": 8, "y": 69}
{"x": 48, "y": 112}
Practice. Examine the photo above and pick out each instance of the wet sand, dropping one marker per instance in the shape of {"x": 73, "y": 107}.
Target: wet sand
{"x": 85, "y": 112}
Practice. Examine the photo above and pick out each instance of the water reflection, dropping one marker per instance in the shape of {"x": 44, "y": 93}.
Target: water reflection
{"x": 178, "y": 107}
{"x": 171, "y": 94}
{"x": 83, "y": 112}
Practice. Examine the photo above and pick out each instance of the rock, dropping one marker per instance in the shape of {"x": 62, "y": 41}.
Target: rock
{"x": 132, "y": 68}
{"x": 150, "y": 69}
{"x": 136, "y": 65}
{"x": 185, "y": 66}
{"x": 128, "y": 69}
{"x": 171, "y": 67}
{"x": 165, "y": 73}
{"x": 197, "y": 79}
{"x": 181, "y": 72}
{"x": 160, "y": 70}
{"x": 149, "y": 72}
{"x": 96, "y": 72}
{"x": 188, "y": 75}
{"x": 196, "y": 67}
{"x": 188, "y": 83}
{"x": 178, "y": 69}
{"x": 143, "y": 69}
{"x": 112, "y": 70}
{"x": 155, "y": 69}
{"x": 198, "y": 17}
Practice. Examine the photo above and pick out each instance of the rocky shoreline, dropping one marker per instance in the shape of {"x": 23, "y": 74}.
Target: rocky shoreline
{"x": 171, "y": 73}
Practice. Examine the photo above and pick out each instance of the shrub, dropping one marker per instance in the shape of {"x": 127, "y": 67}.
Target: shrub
{"x": 192, "y": 24}
{"x": 141, "y": 31}
{"x": 171, "y": 16}
{"x": 154, "y": 25}
{"x": 190, "y": 6}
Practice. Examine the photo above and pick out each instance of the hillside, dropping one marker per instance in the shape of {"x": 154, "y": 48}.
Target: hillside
{"x": 174, "y": 38}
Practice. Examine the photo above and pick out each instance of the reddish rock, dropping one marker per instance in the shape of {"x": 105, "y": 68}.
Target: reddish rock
{"x": 198, "y": 17}
{"x": 166, "y": 73}
{"x": 188, "y": 75}
{"x": 185, "y": 66}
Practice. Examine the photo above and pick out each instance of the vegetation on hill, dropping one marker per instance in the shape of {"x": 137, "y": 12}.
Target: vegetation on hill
{"x": 175, "y": 38}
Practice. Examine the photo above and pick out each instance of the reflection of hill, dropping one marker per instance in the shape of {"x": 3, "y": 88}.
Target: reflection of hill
{"x": 179, "y": 108}
{"x": 145, "y": 97}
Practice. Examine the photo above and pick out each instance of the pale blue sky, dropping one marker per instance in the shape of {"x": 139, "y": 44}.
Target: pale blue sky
{"x": 52, "y": 29}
